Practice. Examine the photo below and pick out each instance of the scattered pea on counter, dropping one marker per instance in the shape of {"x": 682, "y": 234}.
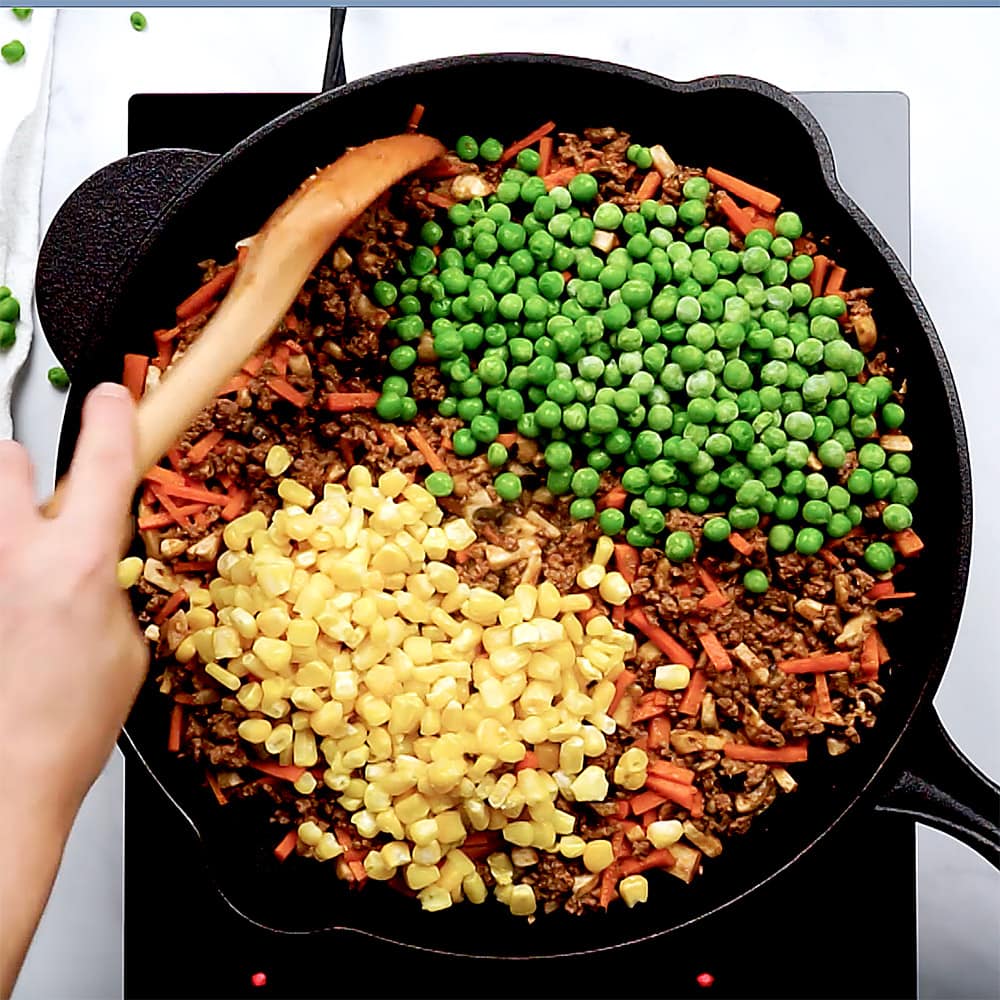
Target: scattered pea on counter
{"x": 138, "y": 20}
{"x": 21, "y": 13}
{"x": 59, "y": 378}
{"x": 10, "y": 310}
{"x": 13, "y": 51}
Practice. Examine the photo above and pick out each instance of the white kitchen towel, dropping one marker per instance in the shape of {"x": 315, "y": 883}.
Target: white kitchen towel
{"x": 24, "y": 110}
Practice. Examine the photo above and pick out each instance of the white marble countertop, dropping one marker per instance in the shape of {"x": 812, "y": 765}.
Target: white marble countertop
{"x": 944, "y": 59}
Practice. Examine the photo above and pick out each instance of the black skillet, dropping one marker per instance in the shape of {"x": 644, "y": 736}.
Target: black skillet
{"x": 126, "y": 244}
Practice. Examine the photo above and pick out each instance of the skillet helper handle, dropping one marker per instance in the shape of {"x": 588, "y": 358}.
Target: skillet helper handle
{"x": 941, "y": 787}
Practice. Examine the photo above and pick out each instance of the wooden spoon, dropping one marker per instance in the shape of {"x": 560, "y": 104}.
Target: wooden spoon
{"x": 279, "y": 260}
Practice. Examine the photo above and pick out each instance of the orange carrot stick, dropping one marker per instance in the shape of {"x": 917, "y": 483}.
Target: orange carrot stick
{"x": 207, "y": 293}
{"x": 152, "y": 521}
{"x": 757, "y": 197}
{"x": 347, "y": 402}
{"x": 254, "y": 365}
{"x": 431, "y": 457}
{"x": 170, "y": 507}
{"x": 194, "y": 566}
{"x": 287, "y": 772}
{"x": 507, "y": 440}
{"x": 659, "y": 733}
{"x": 357, "y": 868}
{"x": 234, "y": 384}
{"x": 675, "y": 791}
{"x": 529, "y": 140}
{"x": 835, "y": 281}
{"x": 741, "y": 545}
{"x": 870, "y": 657}
{"x": 645, "y": 801}
{"x": 650, "y": 185}
{"x": 545, "y": 155}
{"x": 660, "y": 638}
{"x": 198, "y": 493}
{"x": 791, "y": 753}
{"x": 176, "y": 724}
{"x": 615, "y": 497}
{"x": 622, "y": 681}
{"x": 693, "y": 694}
{"x": 165, "y": 477}
{"x": 558, "y": 177}
{"x": 908, "y": 542}
{"x": 716, "y": 652}
{"x": 712, "y": 601}
{"x": 823, "y": 704}
{"x": 672, "y": 772}
{"x": 818, "y": 276}
{"x": 134, "y": 374}
{"x": 200, "y": 450}
{"x": 823, "y": 662}
{"x": 627, "y": 561}
{"x": 648, "y": 710}
{"x": 216, "y": 789}
{"x": 288, "y": 392}
{"x": 607, "y": 892}
{"x": 659, "y": 858}
{"x": 172, "y": 603}
{"x": 234, "y": 508}
{"x": 740, "y": 218}
{"x": 413, "y": 122}
{"x": 530, "y": 759}
{"x": 279, "y": 359}
{"x": 286, "y": 845}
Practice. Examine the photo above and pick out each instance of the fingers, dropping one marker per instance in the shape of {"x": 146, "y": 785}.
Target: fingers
{"x": 101, "y": 477}
{"x": 17, "y": 493}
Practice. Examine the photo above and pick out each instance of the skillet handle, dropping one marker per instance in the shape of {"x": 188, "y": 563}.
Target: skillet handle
{"x": 941, "y": 787}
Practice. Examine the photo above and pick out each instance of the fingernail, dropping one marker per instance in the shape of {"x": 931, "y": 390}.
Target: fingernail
{"x": 111, "y": 390}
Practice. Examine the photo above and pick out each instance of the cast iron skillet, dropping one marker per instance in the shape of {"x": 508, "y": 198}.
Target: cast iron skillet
{"x": 144, "y": 248}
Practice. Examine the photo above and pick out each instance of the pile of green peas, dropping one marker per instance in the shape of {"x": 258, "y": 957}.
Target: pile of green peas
{"x": 710, "y": 377}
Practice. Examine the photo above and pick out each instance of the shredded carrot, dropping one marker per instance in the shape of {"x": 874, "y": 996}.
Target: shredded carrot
{"x": 757, "y": 197}
{"x": 587, "y": 614}
{"x": 347, "y": 402}
{"x": 649, "y": 186}
{"x": 830, "y": 558}
{"x": 762, "y": 220}
{"x": 287, "y": 772}
{"x": 170, "y": 507}
{"x": 194, "y": 566}
{"x": 645, "y": 801}
{"x": 286, "y": 845}
{"x": 675, "y": 791}
{"x": 176, "y": 725}
{"x": 207, "y": 293}
{"x": 824, "y": 662}
{"x": 672, "y": 772}
{"x": 716, "y": 651}
{"x": 235, "y": 507}
{"x": 152, "y": 521}
{"x": 885, "y": 591}
{"x": 649, "y": 708}
{"x": 712, "y": 601}
{"x": 693, "y": 693}
{"x": 441, "y": 167}
{"x": 818, "y": 276}
{"x": 507, "y": 440}
{"x": 710, "y": 585}
{"x": 200, "y": 450}
{"x": 739, "y": 218}
{"x": 698, "y": 807}
{"x": 529, "y": 140}
{"x": 592, "y": 164}
{"x": 234, "y": 384}
{"x": 738, "y": 542}
{"x": 659, "y": 858}
{"x": 279, "y": 359}
{"x": 198, "y": 493}
{"x": 558, "y": 177}
{"x": 413, "y": 122}
{"x": 609, "y": 877}
{"x": 621, "y": 807}
{"x": 683, "y": 589}
{"x": 615, "y": 497}
{"x": 213, "y": 783}
{"x": 908, "y": 542}
{"x": 627, "y": 561}
{"x": 659, "y": 733}
{"x": 791, "y": 753}
{"x": 530, "y": 759}
{"x": 622, "y": 681}
{"x": 660, "y": 638}
{"x": 254, "y": 365}
{"x": 439, "y": 200}
{"x": 431, "y": 457}
{"x": 134, "y": 374}
{"x": 835, "y": 281}
{"x": 165, "y": 477}
{"x": 823, "y": 704}
{"x": 870, "y": 656}
{"x": 202, "y": 521}
{"x": 288, "y": 392}
{"x": 357, "y": 868}
{"x": 545, "y": 155}
{"x": 618, "y": 615}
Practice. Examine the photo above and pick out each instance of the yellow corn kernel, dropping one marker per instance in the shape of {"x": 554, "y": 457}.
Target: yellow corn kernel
{"x": 598, "y": 855}
{"x": 572, "y": 846}
{"x": 275, "y": 654}
{"x": 226, "y": 643}
{"x": 249, "y": 696}
{"x": 310, "y": 834}
{"x": 421, "y": 876}
{"x": 200, "y": 618}
{"x": 328, "y": 848}
{"x": 302, "y": 632}
{"x": 199, "y": 597}
{"x": 304, "y": 753}
{"x": 614, "y": 589}
{"x": 549, "y": 600}
{"x": 591, "y": 785}
{"x": 186, "y": 650}
{"x": 572, "y": 603}
{"x": 423, "y": 831}
{"x": 474, "y": 888}
{"x": 305, "y": 783}
{"x": 633, "y": 889}
{"x": 671, "y": 677}
{"x": 522, "y": 900}
{"x": 254, "y": 730}
{"x": 664, "y": 832}
{"x": 434, "y": 898}
{"x": 223, "y": 676}
{"x": 377, "y": 868}
{"x": 427, "y": 854}
{"x": 280, "y": 739}
{"x": 460, "y": 536}
{"x": 520, "y": 833}
{"x": 128, "y": 572}
{"x": 277, "y": 461}
{"x": 590, "y": 576}
{"x": 443, "y": 578}
{"x": 293, "y": 492}
{"x": 604, "y": 549}
{"x": 450, "y": 827}
{"x": 571, "y": 755}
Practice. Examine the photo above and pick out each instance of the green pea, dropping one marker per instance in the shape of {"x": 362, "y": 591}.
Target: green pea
{"x": 611, "y": 521}
{"x": 507, "y": 486}
{"x": 585, "y": 482}
{"x": 679, "y": 545}
{"x": 403, "y": 357}
{"x": 808, "y": 541}
{"x": 786, "y": 508}
{"x": 8, "y": 337}
{"x": 781, "y": 537}
{"x": 755, "y": 581}
{"x": 789, "y": 225}
{"x": 883, "y": 482}
{"x": 880, "y": 557}
{"x": 439, "y": 484}
{"x": 743, "y": 518}
{"x": 717, "y": 529}
{"x": 496, "y": 454}
{"x": 893, "y": 415}
{"x": 608, "y": 216}
{"x": 871, "y": 456}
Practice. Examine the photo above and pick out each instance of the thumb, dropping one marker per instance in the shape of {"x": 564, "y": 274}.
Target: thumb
{"x": 102, "y": 475}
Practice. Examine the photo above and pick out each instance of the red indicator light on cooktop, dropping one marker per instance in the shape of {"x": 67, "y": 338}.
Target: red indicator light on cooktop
{"x": 259, "y": 979}
{"x": 705, "y": 979}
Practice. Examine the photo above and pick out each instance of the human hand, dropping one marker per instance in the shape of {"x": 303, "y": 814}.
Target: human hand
{"x": 73, "y": 657}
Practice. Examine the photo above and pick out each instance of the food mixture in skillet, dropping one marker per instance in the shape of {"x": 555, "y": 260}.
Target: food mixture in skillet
{"x": 546, "y": 540}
